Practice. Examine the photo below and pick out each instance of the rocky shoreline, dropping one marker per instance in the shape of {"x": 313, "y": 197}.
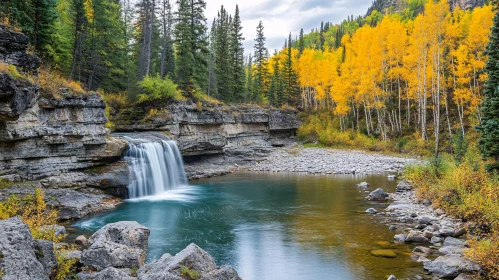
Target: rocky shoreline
{"x": 438, "y": 237}
{"x": 115, "y": 252}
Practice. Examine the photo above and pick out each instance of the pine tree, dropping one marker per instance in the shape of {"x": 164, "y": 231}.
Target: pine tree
{"x": 167, "y": 60}
{"x": 301, "y": 43}
{"x": 236, "y": 44}
{"x": 212, "y": 76}
{"x": 248, "y": 89}
{"x": 261, "y": 72}
{"x": 223, "y": 59}
{"x": 191, "y": 46}
{"x": 275, "y": 93}
{"x": 146, "y": 19}
{"x": 290, "y": 78}
{"x": 489, "y": 127}
{"x": 44, "y": 18}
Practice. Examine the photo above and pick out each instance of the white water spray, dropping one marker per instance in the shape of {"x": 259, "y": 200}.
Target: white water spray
{"x": 156, "y": 167}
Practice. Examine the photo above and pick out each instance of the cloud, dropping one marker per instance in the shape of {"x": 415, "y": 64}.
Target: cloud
{"x": 280, "y": 17}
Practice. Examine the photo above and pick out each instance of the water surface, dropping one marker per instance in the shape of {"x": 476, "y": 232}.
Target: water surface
{"x": 272, "y": 226}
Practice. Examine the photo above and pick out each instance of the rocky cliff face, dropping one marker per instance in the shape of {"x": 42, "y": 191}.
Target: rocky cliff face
{"x": 54, "y": 139}
{"x": 216, "y": 138}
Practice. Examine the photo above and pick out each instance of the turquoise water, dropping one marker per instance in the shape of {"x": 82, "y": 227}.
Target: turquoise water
{"x": 272, "y": 226}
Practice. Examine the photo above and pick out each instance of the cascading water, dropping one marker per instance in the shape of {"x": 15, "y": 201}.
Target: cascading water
{"x": 156, "y": 167}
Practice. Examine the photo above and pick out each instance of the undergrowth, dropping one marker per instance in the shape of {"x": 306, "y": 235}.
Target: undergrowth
{"x": 464, "y": 188}
{"x": 34, "y": 212}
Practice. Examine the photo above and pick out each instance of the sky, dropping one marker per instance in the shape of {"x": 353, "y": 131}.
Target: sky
{"x": 280, "y": 17}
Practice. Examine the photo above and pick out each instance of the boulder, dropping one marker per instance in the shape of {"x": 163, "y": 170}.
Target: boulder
{"x": 436, "y": 239}
{"x": 416, "y": 237}
{"x": 422, "y": 251}
{"x": 109, "y": 273}
{"x": 377, "y": 195}
{"x": 392, "y": 277}
{"x": 460, "y": 232}
{"x": 194, "y": 259}
{"x": 363, "y": 185}
{"x": 404, "y": 186}
{"x": 451, "y": 241}
{"x": 44, "y": 251}
{"x": 371, "y": 211}
{"x": 400, "y": 237}
{"x": 122, "y": 244}
{"x": 425, "y": 220}
{"x": 450, "y": 266}
{"x": 449, "y": 250}
{"x": 17, "y": 246}
{"x": 81, "y": 240}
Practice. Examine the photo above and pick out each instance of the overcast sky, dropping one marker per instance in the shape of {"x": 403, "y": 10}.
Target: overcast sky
{"x": 283, "y": 16}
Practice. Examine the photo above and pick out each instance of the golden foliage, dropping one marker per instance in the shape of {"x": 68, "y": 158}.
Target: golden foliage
{"x": 34, "y": 212}
{"x": 486, "y": 254}
{"x": 51, "y": 82}
{"x": 65, "y": 264}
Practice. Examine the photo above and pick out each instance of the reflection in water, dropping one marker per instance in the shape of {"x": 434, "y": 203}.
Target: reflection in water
{"x": 272, "y": 226}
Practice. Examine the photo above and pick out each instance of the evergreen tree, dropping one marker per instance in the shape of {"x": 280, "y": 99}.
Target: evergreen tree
{"x": 167, "y": 60}
{"x": 321, "y": 37}
{"x": 146, "y": 18}
{"x": 191, "y": 46}
{"x": 301, "y": 43}
{"x": 248, "y": 93}
{"x": 236, "y": 44}
{"x": 275, "y": 93}
{"x": 44, "y": 17}
{"x": 212, "y": 77}
{"x": 261, "y": 72}
{"x": 289, "y": 77}
{"x": 223, "y": 61}
{"x": 489, "y": 127}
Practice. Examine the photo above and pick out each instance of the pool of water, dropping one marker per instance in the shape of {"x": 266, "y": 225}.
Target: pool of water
{"x": 271, "y": 226}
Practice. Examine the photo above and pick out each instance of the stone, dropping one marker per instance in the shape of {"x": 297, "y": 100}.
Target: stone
{"x": 81, "y": 241}
{"x": 371, "y": 211}
{"x": 451, "y": 241}
{"x": 423, "y": 259}
{"x": 460, "y": 232}
{"x": 393, "y": 228}
{"x": 18, "y": 260}
{"x": 439, "y": 212}
{"x": 446, "y": 232}
{"x": 421, "y": 251}
{"x": 416, "y": 237}
{"x": 400, "y": 237}
{"x": 384, "y": 253}
{"x": 425, "y": 220}
{"x": 109, "y": 273}
{"x": 450, "y": 266}
{"x": 449, "y": 250}
{"x": 436, "y": 239}
{"x": 44, "y": 251}
{"x": 122, "y": 244}
{"x": 404, "y": 186}
{"x": 363, "y": 185}
{"x": 377, "y": 195}
{"x": 398, "y": 205}
{"x": 428, "y": 234}
{"x": 225, "y": 272}
{"x": 392, "y": 277}
{"x": 464, "y": 276}
{"x": 193, "y": 257}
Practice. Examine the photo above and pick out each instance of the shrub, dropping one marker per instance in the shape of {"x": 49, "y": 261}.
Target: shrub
{"x": 464, "y": 188}
{"x": 65, "y": 264}
{"x": 34, "y": 213}
{"x": 189, "y": 273}
{"x": 158, "y": 89}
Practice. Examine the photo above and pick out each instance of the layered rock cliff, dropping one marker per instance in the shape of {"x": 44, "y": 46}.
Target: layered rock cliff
{"x": 214, "y": 138}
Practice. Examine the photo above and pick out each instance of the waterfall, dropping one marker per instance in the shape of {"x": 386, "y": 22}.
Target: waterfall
{"x": 155, "y": 167}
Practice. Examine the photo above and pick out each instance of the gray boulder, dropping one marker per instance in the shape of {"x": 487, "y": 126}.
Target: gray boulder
{"x": 192, "y": 257}
{"x": 416, "y": 237}
{"x": 17, "y": 246}
{"x": 363, "y": 185}
{"x": 451, "y": 241}
{"x": 377, "y": 195}
{"x": 450, "y": 266}
{"x": 122, "y": 244}
{"x": 44, "y": 251}
{"x": 400, "y": 237}
{"x": 371, "y": 211}
{"x": 109, "y": 273}
{"x": 449, "y": 250}
{"x": 404, "y": 186}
